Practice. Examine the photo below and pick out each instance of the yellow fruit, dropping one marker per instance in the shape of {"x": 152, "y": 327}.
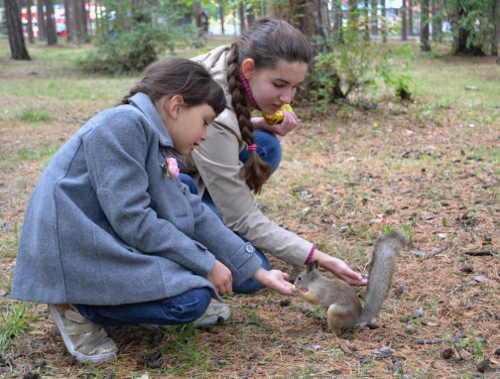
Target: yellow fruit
{"x": 278, "y": 116}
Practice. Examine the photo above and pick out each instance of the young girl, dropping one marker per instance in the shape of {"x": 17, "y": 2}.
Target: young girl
{"x": 260, "y": 71}
{"x": 112, "y": 237}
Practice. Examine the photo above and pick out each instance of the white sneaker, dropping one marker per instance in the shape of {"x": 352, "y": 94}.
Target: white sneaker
{"x": 212, "y": 314}
{"x": 84, "y": 340}
{"x": 210, "y": 317}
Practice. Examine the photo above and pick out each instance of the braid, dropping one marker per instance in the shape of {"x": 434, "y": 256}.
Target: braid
{"x": 255, "y": 170}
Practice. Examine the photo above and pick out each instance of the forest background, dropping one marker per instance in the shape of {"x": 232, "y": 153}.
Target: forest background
{"x": 399, "y": 129}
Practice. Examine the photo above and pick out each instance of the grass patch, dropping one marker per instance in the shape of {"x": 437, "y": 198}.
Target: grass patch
{"x": 13, "y": 322}
{"x": 9, "y": 245}
{"x": 33, "y": 115}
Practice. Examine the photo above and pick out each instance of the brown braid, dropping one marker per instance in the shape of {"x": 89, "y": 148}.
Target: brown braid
{"x": 255, "y": 170}
{"x": 268, "y": 42}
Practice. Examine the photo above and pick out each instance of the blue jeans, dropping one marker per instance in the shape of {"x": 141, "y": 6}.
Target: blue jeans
{"x": 176, "y": 310}
{"x": 269, "y": 150}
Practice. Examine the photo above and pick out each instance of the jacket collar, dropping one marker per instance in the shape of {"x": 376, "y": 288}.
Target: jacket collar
{"x": 145, "y": 105}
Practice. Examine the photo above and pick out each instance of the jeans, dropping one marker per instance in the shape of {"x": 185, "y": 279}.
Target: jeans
{"x": 181, "y": 309}
{"x": 269, "y": 150}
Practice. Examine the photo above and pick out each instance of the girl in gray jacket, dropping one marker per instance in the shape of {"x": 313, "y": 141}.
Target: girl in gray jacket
{"x": 112, "y": 237}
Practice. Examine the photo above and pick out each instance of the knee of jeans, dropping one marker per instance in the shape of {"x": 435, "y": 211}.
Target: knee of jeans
{"x": 273, "y": 152}
{"x": 187, "y": 180}
{"x": 190, "y": 310}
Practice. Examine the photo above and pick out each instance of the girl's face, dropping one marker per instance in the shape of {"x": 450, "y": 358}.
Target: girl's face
{"x": 273, "y": 87}
{"x": 187, "y": 126}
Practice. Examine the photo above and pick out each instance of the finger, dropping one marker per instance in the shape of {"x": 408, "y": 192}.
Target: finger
{"x": 285, "y": 276}
{"x": 228, "y": 288}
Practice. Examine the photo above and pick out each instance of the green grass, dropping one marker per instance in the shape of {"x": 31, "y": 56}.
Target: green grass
{"x": 43, "y": 153}
{"x": 9, "y": 245}
{"x": 33, "y": 115}
{"x": 13, "y": 322}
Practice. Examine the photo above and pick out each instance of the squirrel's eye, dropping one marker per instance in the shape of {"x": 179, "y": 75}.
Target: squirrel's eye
{"x": 299, "y": 278}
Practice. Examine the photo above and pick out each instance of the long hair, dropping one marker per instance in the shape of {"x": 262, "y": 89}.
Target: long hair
{"x": 268, "y": 42}
{"x": 180, "y": 76}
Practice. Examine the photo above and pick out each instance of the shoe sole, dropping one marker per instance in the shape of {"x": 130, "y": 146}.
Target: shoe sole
{"x": 69, "y": 345}
{"x": 212, "y": 320}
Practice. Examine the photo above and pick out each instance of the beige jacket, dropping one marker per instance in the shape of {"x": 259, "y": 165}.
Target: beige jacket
{"x": 215, "y": 166}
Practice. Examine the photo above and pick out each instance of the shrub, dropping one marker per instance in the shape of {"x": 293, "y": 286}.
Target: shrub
{"x": 129, "y": 43}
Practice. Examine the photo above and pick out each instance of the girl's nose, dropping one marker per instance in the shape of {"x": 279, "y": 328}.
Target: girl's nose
{"x": 286, "y": 96}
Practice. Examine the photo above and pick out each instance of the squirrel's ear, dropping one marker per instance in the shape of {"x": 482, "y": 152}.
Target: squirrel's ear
{"x": 312, "y": 266}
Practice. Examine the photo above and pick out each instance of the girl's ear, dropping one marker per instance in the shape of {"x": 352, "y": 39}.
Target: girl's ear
{"x": 174, "y": 106}
{"x": 247, "y": 68}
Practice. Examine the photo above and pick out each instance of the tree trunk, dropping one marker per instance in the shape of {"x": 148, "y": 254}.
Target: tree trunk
{"x": 404, "y": 29}
{"x": 221, "y": 15}
{"x": 85, "y": 19}
{"x": 460, "y": 42}
{"x": 337, "y": 20}
{"x": 384, "y": 20}
{"x": 199, "y": 24}
{"x": 410, "y": 17}
{"x": 69, "y": 21}
{"x": 366, "y": 14}
{"x": 51, "y": 23}
{"x": 76, "y": 19}
{"x": 495, "y": 20}
{"x": 424, "y": 26}
{"x": 31, "y": 37}
{"x": 15, "y": 29}
{"x": 251, "y": 17}
{"x": 41, "y": 23}
{"x": 436, "y": 22}
{"x": 374, "y": 17}
{"x": 242, "y": 17}
{"x": 312, "y": 22}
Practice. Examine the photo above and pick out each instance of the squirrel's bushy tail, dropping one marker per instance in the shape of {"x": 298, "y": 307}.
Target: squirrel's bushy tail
{"x": 382, "y": 268}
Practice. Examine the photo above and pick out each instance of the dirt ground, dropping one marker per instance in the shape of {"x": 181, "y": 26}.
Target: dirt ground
{"x": 343, "y": 179}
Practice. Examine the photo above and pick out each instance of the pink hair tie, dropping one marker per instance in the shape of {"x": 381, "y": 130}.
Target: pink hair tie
{"x": 252, "y": 147}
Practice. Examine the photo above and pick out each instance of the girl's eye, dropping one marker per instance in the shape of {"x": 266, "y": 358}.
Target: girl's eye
{"x": 278, "y": 85}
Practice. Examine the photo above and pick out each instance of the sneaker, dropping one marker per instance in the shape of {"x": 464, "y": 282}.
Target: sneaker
{"x": 210, "y": 317}
{"x": 84, "y": 340}
{"x": 214, "y": 312}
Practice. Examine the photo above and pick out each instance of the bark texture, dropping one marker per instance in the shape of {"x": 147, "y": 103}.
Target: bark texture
{"x": 15, "y": 29}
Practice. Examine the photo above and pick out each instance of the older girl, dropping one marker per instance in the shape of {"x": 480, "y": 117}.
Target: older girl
{"x": 112, "y": 237}
{"x": 260, "y": 71}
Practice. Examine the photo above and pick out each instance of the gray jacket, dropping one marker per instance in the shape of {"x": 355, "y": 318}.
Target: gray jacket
{"x": 106, "y": 226}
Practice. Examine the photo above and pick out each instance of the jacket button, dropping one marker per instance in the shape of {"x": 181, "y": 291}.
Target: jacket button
{"x": 249, "y": 249}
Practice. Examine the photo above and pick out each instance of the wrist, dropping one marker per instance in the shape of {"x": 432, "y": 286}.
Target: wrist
{"x": 262, "y": 124}
{"x": 319, "y": 256}
{"x": 261, "y": 276}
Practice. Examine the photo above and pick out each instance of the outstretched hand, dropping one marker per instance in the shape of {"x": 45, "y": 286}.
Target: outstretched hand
{"x": 274, "y": 279}
{"x": 339, "y": 268}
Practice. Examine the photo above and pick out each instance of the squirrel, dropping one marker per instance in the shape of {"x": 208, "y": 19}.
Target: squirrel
{"x": 343, "y": 307}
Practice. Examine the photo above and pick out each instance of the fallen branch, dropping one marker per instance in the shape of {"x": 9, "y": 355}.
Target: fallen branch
{"x": 435, "y": 341}
{"x": 490, "y": 174}
{"x": 480, "y": 253}
{"x": 437, "y": 252}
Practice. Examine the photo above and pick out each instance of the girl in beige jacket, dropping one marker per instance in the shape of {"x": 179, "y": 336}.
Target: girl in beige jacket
{"x": 259, "y": 71}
